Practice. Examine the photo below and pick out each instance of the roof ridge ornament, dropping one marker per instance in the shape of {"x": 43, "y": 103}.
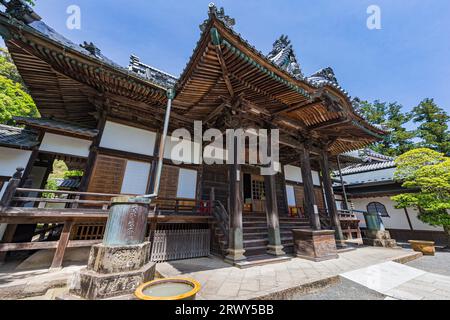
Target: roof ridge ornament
{"x": 92, "y": 48}
{"x": 283, "y": 56}
{"x": 20, "y": 10}
{"x": 326, "y": 74}
{"x": 220, "y": 15}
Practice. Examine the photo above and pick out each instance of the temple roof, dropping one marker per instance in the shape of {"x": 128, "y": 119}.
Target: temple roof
{"x": 151, "y": 73}
{"x": 58, "y": 125}
{"x": 360, "y": 168}
{"x": 17, "y": 137}
{"x": 67, "y": 81}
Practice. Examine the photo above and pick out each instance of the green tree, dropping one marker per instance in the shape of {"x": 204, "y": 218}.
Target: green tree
{"x": 14, "y": 101}
{"x": 389, "y": 115}
{"x": 426, "y": 175}
{"x": 8, "y": 68}
{"x": 433, "y": 129}
{"x": 14, "y": 98}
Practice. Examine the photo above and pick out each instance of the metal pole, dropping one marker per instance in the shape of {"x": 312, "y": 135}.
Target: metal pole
{"x": 342, "y": 184}
{"x": 170, "y": 96}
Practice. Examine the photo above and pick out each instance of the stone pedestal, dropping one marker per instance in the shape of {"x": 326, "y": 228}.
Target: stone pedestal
{"x": 379, "y": 238}
{"x": 315, "y": 245}
{"x": 114, "y": 271}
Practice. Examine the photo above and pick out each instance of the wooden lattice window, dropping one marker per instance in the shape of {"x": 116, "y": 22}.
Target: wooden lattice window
{"x": 378, "y": 208}
{"x": 258, "y": 192}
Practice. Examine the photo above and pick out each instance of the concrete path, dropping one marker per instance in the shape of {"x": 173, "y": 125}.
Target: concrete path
{"x": 402, "y": 282}
{"x": 221, "y": 281}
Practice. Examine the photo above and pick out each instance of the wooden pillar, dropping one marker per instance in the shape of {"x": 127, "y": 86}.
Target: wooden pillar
{"x": 154, "y": 165}
{"x": 311, "y": 209}
{"x": 236, "y": 237}
{"x": 5, "y": 202}
{"x": 93, "y": 152}
{"x": 273, "y": 224}
{"x": 329, "y": 195}
{"x": 62, "y": 245}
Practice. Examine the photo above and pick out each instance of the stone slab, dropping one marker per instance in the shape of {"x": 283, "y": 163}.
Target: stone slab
{"x": 94, "y": 286}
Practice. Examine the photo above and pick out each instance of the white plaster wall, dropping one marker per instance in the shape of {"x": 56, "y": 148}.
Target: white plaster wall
{"x": 376, "y": 175}
{"x": 65, "y": 145}
{"x": 293, "y": 173}
{"x": 187, "y": 184}
{"x": 37, "y": 175}
{"x": 419, "y": 225}
{"x": 125, "y": 138}
{"x": 316, "y": 178}
{"x": 397, "y": 219}
{"x": 290, "y": 195}
{"x": 182, "y": 150}
{"x": 136, "y": 176}
{"x": 10, "y": 159}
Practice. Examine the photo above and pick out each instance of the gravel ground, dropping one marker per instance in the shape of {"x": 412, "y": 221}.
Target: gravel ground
{"x": 346, "y": 290}
{"x": 440, "y": 263}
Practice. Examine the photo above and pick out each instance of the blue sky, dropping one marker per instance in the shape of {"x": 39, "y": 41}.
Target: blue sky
{"x": 406, "y": 61}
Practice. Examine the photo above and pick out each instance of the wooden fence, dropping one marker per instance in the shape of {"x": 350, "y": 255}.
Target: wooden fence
{"x": 180, "y": 243}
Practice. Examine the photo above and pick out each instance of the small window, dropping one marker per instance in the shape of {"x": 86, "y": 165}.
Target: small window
{"x": 379, "y": 208}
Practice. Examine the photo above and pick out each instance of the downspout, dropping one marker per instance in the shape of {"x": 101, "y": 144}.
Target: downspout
{"x": 342, "y": 184}
{"x": 170, "y": 96}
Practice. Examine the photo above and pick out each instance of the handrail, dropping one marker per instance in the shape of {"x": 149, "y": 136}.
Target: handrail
{"x": 27, "y": 190}
{"x": 220, "y": 214}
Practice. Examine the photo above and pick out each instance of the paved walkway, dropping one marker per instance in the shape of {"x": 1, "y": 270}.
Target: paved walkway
{"x": 220, "y": 281}
{"x": 402, "y": 282}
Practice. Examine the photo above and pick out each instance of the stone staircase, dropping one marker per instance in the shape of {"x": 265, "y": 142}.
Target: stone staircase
{"x": 256, "y": 236}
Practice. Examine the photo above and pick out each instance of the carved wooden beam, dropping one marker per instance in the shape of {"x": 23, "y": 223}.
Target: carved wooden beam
{"x": 299, "y": 106}
{"x": 225, "y": 73}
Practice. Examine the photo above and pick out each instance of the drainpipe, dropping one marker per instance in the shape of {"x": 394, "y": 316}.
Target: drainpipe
{"x": 170, "y": 96}
{"x": 342, "y": 183}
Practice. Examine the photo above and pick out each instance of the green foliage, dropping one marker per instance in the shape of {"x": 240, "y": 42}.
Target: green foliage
{"x": 8, "y": 68}
{"x": 73, "y": 174}
{"x": 51, "y": 185}
{"x": 14, "y": 100}
{"x": 433, "y": 129}
{"x": 426, "y": 175}
{"x": 399, "y": 140}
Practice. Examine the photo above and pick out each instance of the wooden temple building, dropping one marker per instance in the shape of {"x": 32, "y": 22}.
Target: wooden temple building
{"x": 106, "y": 120}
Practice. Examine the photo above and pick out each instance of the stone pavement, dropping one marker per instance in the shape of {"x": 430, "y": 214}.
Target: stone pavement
{"x": 26, "y": 284}
{"x": 220, "y": 281}
{"x": 402, "y": 282}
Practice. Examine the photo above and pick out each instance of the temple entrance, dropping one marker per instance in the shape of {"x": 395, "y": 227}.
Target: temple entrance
{"x": 254, "y": 193}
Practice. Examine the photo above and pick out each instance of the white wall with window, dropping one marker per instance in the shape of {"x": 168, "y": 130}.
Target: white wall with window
{"x": 135, "y": 180}
{"x": 187, "y": 184}
{"x": 121, "y": 137}
{"x": 395, "y": 218}
{"x": 56, "y": 143}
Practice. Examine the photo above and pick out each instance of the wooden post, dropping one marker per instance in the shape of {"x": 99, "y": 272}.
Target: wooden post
{"x": 13, "y": 184}
{"x": 273, "y": 224}
{"x": 311, "y": 209}
{"x": 151, "y": 185}
{"x": 5, "y": 202}
{"x": 236, "y": 237}
{"x": 62, "y": 245}
{"x": 93, "y": 152}
{"x": 329, "y": 195}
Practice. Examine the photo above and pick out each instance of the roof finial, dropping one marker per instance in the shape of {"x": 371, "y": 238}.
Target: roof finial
{"x": 92, "y": 48}
{"x": 220, "y": 15}
{"x": 20, "y": 10}
{"x": 284, "y": 57}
